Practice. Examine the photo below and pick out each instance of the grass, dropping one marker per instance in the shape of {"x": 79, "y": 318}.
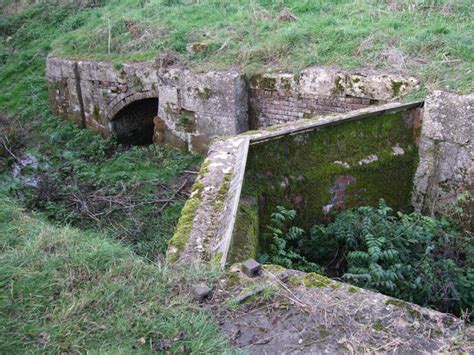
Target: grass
{"x": 64, "y": 290}
{"x": 431, "y": 39}
{"x": 74, "y": 161}
{"x": 93, "y": 183}
{"x": 68, "y": 290}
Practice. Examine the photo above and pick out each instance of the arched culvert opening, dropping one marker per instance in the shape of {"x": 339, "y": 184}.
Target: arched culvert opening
{"x": 134, "y": 123}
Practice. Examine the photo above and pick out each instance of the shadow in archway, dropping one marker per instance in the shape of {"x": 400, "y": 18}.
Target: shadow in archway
{"x": 133, "y": 125}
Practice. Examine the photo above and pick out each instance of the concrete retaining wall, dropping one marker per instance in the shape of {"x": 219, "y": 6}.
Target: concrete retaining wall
{"x": 445, "y": 174}
{"x": 195, "y": 108}
{"x": 282, "y": 98}
{"x": 209, "y": 230}
{"x": 447, "y": 124}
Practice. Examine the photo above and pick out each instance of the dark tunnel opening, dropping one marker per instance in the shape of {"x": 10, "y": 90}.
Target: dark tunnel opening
{"x": 133, "y": 125}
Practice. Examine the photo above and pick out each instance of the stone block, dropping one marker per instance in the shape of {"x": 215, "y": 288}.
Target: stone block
{"x": 201, "y": 292}
{"x": 199, "y": 144}
{"x": 251, "y": 267}
{"x": 446, "y": 152}
{"x": 171, "y": 139}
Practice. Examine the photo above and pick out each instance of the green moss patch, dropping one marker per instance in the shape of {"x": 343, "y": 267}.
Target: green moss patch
{"x": 396, "y": 87}
{"x": 185, "y": 223}
{"x": 353, "y": 289}
{"x": 245, "y": 241}
{"x": 261, "y": 82}
{"x": 222, "y": 193}
{"x": 311, "y": 280}
{"x": 378, "y": 326}
{"x": 274, "y": 269}
{"x": 301, "y": 172}
{"x": 407, "y": 307}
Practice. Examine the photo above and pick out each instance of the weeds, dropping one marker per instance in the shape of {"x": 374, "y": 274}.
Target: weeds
{"x": 428, "y": 38}
{"x": 83, "y": 179}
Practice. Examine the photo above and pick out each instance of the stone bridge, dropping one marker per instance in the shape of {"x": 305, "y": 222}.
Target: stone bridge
{"x": 138, "y": 106}
{"x": 140, "y": 103}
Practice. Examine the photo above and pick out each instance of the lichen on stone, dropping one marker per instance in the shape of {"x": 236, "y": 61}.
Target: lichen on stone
{"x": 311, "y": 280}
{"x": 396, "y": 87}
{"x": 259, "y": 81}
{"x": 338, "y": 85}
{"x": 222, "y": 193}
{"x": 204, "y": 93}
{"x": 273, "y": 268}
{"x": 353, "y": 289}
{"x": 137, "y": 83}
{"x": 378, "y": 326}
{"x": 407, "y": 307}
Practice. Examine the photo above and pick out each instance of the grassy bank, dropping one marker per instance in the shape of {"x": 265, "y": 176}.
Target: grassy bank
{"x": 83, "y": 179}
{"x": 428, "y": 38}
{"x": 63, "y": 290}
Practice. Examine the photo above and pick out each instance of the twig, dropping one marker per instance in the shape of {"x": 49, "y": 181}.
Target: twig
{"x": 296, "y": 300}
{"x": 173, "y": 196}
{"x": 10, "y": 152}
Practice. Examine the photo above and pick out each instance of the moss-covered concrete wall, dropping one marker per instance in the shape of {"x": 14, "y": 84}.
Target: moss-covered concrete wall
{"x": 245, "y": 240}
{"x": 335, "y": 167}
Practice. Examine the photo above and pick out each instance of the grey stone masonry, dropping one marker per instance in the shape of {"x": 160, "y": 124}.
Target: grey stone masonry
{"x": 195, "y": 108}
{"x": 192, "y": 108}
{"x": 206, "y": 232}
{"x": 92, "y": 93}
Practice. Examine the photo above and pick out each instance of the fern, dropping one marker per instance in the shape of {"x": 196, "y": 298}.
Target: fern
{"x": 284, "y": 242}
{"x": 409, "y": 256}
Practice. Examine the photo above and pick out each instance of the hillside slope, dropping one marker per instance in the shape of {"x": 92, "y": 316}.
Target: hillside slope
{"x": 68, "y": 290}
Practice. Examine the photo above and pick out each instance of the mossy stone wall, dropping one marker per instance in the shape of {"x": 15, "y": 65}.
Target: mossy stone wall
{"x": 335, "y": 167}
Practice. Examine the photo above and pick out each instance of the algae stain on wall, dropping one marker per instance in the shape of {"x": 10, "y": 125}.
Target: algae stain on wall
{"x": 335, "y": 167}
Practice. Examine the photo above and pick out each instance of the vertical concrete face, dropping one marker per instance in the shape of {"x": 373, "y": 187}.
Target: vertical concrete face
{"x": 446, "y": 168}
{"x": 294, "y": 163}
{"x": 192, "y": 108}
{"x": 195, "y": 108}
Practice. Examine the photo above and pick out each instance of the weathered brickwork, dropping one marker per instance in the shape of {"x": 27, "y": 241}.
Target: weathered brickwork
{"x": 273, "y": 107}
{"x": 281, "y": 98}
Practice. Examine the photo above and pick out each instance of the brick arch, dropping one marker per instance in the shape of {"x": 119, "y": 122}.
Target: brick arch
{"x": 120, "y": 102}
